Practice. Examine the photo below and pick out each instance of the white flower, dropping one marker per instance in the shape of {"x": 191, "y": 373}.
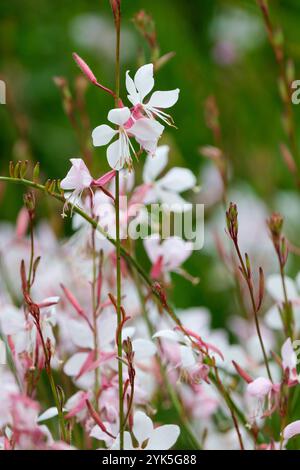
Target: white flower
{"x": 141, "y": 86}
{"x": 145, "y": 131}
{"x": 167, "y": 189}
{"x": 148, "y": 438}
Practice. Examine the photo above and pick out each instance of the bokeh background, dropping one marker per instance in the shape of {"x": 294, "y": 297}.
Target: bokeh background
{"x": 221, "y": 49}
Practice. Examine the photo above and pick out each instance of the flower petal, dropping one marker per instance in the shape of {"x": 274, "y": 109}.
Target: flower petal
{"x": 78, "y": 177}
{"x": 167, "y": 334}
{"x": 163, "y": 99}
{"x": 144, "y": 80}
{"x": 164, "y": 437}
{"x": 143, "y": 349}
{"x": 259, "y": 387}
{"x": 291, "y": 430}
{"x": 274, "y": 287}
{"x": 119, "y": 116}
{"x": 289, "y": 358}
{"x": 155, "y": 165}
{"x": 48, "y": 414}
{"x": 146, "y": 129}
{"x": 133, "y": 95}
{"x": 187, "y": 356}
{"x": 174, "y": 201}
{"x": 142, "y": 426}
{"x": 114, "y": 155}
{"x": 74, "y": 364}
{"x": 178, "y": 180}
{"x": 102, "y": 135}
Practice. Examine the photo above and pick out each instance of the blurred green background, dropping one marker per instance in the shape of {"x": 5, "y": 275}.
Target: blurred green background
{"x": 221, "y": 48}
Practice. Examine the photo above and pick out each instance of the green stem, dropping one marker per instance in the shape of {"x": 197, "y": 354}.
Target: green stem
{"x": 254, "y": 309}
{"x": 31, "y": 255}
{"x": 119, "y": 315}
{"x": 118, "y": 241}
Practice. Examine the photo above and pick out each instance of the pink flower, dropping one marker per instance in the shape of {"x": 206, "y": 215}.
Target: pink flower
{"x": 168, "y": 255}
{"x": 77, "y": 180}
{"x": 260, "y": 387}
{"x": 78, "y": 177}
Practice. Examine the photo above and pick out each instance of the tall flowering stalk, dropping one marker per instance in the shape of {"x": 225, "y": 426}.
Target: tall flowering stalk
{"x": 245, "y": 269}
{"x": 116, "y": 8}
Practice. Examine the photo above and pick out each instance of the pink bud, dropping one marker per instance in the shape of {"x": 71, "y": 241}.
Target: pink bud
{"x": 84, "y": 68}
{"x": 89, "y": 74}
{"x": 242, "y": 373}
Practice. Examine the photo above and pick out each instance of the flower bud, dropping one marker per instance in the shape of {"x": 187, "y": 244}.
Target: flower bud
{"x": 232, "y": 221}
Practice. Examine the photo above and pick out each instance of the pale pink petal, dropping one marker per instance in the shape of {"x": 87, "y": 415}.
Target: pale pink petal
{"x": 146, "y": 129}
{"x": 153, "y": 247}
{"x": 163, "y": 99}
{"x": 102, "y": 135}
{"x": 78, "y": 177}
{"x": 154, "y": 165}
{"x": 119, "y": 116}
{"x": 48, "y": 414}
{"x": 178, "y": 180}
{"x": 173, "y": 201}
{"x": 133, "y": 95}
{"x": 12, "y": 320}
{"x": 187, "y": 357}
{"x": 114, "y": 156}
{"x": 289, "y": 359}
{"x": 164, "y": 437}
{"x": 142, "y": 426}
{"x": 291, "y": 430}
{"x": 75, "y": 363}
{"x": 260, "y": 387}
{"x": 143, "y": 349}
{"x": 168, "y": 334}
{"x": 176, "y": 251}
{"x": 144, "y": 80}
{"x": 275, "y": 289}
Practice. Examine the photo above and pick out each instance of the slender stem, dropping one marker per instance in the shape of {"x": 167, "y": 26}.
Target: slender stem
{"x": 230, "y": 407}
{"x": 119, "y": 315}
{"x": 254, "y": 310}
{"x": 95, "y": 329}
{"x": 31, "y": 255}
{"x": 118, "y": 241}
{"x": 53, "y": 386}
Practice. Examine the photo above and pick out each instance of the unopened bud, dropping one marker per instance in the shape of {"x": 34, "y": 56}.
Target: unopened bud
{"x": 36, "y": 172}
{"x": 232, "y": 221}
{"x": 29, "y": 202}
{"x": 275, "y": 224}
